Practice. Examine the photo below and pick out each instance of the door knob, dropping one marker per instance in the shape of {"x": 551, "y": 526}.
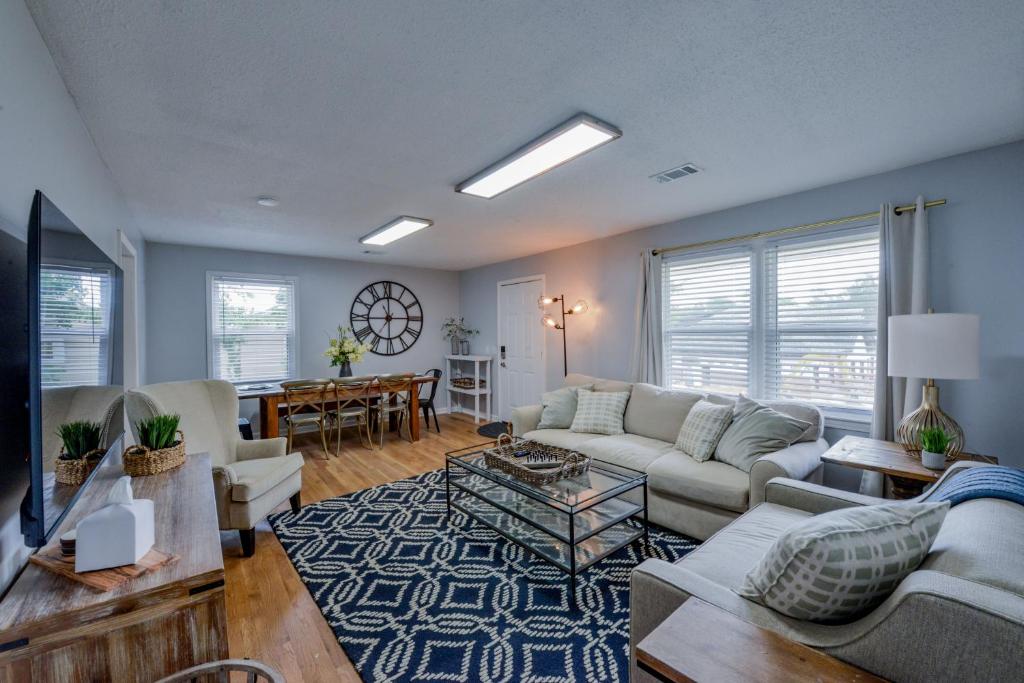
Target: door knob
{"x": 503, "y": 364}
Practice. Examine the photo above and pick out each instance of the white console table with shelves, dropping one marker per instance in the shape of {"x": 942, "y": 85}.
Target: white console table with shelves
{"x": 474, "y": 381}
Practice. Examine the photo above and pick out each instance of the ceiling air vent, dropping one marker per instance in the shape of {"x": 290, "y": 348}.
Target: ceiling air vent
{"x": 676, "y": 173}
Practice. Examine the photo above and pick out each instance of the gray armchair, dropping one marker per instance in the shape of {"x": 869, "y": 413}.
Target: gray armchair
{"x": 250, "y": 478}
{"x": 959, "y": 616}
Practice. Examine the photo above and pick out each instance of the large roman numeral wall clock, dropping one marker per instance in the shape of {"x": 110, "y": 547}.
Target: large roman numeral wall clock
{"x": 387, "y": 316}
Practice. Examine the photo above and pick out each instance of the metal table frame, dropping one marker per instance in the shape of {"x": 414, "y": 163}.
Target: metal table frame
{"x": 639, "y": 479}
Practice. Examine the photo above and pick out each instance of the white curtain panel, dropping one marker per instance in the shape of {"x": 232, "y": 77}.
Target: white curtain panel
{"x": 902, "y": 290}
{"x": 647, "y": 360}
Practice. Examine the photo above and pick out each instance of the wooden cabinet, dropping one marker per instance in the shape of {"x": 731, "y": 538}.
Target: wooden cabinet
{"x": 55, "y": 630}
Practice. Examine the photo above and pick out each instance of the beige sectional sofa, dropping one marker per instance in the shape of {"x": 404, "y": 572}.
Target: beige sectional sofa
{"x": 693, "y": 498}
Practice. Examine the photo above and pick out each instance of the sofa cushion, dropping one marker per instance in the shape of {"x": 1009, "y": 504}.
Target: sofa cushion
{"x": 599, "y": 412}
{"x": 255, "y": 477}
{"x": 574, "y": 379}
{"x": 658, "y": 413}
{"x": 726, "y": 557}
{"x": 562, "y": 438}
{"x": 711, "y": 483}
{"x": 841, "y": 564}
{"x": 559, "y": 407}
{"x": 756, "y": 430}
{"x": 626, "y": 450}
{"x": 702, "y": 429}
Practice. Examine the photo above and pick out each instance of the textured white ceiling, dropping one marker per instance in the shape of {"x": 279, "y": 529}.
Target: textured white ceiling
{"x": 353, "y": 113}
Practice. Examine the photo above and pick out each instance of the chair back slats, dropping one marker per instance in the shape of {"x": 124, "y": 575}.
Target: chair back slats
{"x": 395, "y": 383}
{"x": 350, "y": 392}
{"x": 306, "y": 395}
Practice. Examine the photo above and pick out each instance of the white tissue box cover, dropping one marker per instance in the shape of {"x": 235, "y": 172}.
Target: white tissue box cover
{"x": 114, "y": 535}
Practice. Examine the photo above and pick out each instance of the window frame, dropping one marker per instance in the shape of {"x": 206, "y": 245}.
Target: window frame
{"x": 854, "y": 419}
{"x": 293, "y": 360}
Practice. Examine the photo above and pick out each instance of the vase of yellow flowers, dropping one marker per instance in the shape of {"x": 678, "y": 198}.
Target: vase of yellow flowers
{"x": 345, "y": 350}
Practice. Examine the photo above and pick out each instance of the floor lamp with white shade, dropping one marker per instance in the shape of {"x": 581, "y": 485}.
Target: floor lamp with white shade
{"x": 933, "y": 346}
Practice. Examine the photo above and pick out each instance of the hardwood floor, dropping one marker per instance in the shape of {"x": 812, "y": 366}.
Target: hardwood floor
{"x": 271, "y": 616}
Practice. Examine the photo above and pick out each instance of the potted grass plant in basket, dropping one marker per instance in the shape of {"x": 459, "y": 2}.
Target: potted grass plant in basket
{"x": 161, "y": 446}
{"x": 79, "y": 453}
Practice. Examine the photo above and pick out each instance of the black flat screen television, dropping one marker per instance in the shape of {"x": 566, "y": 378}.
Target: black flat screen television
{"x": 75, "y": 358}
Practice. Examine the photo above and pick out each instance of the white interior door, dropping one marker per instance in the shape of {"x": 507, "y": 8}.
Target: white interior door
{"x": 520, "y": 344}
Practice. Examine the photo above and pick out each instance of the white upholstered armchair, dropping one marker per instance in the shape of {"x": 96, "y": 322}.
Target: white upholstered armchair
{"x": 250, "y": 478}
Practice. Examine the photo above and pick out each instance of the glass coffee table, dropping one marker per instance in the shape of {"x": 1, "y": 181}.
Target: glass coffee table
{"x": 572, "y": 523}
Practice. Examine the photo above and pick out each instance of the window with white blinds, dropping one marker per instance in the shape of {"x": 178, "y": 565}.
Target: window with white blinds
{"x": 75, "y": 323}
{"x": 780, "y": 319}
{"x": 707, "y": 322}
{"x": 252, "y": 328}
{"x": 821, "y": 327}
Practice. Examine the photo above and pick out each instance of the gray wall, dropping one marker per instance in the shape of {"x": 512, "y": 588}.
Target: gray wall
{"x": 176, "y": 299}
{"x": 44, "y": 145}
{"x": 977, "y": 251}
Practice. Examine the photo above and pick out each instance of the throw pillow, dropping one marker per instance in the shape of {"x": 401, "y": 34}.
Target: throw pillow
{"x": 703, "y": 427}
{"x": 559, "y": 407}
{"x": 840, "y": 564}
{"x": 599, "y": 412}
{"x": 755, "y": 430}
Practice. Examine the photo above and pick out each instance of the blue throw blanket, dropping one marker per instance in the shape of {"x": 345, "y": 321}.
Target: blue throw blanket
{"x": 1005, "y": 483}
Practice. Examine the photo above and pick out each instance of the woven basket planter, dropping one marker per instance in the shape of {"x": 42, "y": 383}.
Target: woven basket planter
{"x": 139, "y": 461}
{"x": 74, "y": 472}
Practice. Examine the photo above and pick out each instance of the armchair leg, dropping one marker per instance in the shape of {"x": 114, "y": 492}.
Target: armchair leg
{"x": 248, "y": 537}
{"x": 296, "y": 501}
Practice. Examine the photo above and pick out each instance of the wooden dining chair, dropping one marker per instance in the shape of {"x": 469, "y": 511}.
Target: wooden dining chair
{"x": 352, "y": 402}
{"x": 394, "y": 400}
{"x": 307, "y": 403}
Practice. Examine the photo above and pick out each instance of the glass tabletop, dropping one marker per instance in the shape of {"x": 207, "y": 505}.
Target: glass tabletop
{"x": 601, "y": 482}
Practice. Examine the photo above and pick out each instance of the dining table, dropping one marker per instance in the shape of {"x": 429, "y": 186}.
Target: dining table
{"x": 271, "y": 399}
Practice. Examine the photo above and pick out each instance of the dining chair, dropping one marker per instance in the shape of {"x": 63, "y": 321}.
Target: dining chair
{"x": 352, "y": 402}
{"x": 306, "y": 403}
{"x": 394, "y": 391}
{"x": 427, "y": 402}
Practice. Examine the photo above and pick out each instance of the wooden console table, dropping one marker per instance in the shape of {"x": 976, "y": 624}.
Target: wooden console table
{"x": 909, "y": 477}
{"x": 55, "y": 630}
{"x": 701, "y": 643}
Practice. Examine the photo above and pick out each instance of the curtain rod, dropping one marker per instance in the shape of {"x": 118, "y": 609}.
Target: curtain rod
{"x": 796, "y": 228}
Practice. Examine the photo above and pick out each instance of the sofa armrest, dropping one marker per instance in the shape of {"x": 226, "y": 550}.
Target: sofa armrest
{"x": 814, "y": 498}
{"x": 525, "y": 419}
{"x": 261, "y": 448}
{"x": 798, "y": 461}
{"x": 223, "y": 479}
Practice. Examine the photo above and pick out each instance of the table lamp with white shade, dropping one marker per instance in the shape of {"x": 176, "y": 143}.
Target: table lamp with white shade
{"x": 933, "y": 346}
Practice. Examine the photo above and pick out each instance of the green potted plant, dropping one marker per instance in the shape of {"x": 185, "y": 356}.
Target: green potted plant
{"x": 80, "y": 451}
{"x": 934, "y": 442}
{"x": 345, "y": 350}
{"x": 456, "y": 331}
{"x": 161, "y": 446}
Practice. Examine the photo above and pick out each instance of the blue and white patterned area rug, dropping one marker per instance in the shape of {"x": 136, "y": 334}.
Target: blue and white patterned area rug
{"x": 412, "y": 598}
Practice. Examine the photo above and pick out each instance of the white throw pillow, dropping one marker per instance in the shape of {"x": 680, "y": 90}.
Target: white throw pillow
{"x": 599, "y": 412}
{"x": 702, "y": 428}
{"x": 840, "y": 564}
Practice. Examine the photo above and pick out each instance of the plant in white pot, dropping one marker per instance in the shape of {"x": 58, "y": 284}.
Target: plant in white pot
{"x": 934, "y": 442}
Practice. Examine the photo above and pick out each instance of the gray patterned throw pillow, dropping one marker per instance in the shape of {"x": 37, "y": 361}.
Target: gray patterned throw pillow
{"x": 599, "y": 412}
{"x": 702, "y": 428}
{"x": 840, "y": 564}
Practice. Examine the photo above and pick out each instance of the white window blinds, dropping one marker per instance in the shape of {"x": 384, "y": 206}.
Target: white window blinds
{"x": 780, "y": 319}
{"x": 707, "y": 321}
{"x": 75, "y": 324}
{"x": 252, "y": 328}
{"x": 821, "y": 327}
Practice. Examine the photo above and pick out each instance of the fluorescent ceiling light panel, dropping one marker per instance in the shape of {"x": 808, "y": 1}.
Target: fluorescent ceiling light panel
{"x": 395, "y": 230}
{"x": 578, "y": 135}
